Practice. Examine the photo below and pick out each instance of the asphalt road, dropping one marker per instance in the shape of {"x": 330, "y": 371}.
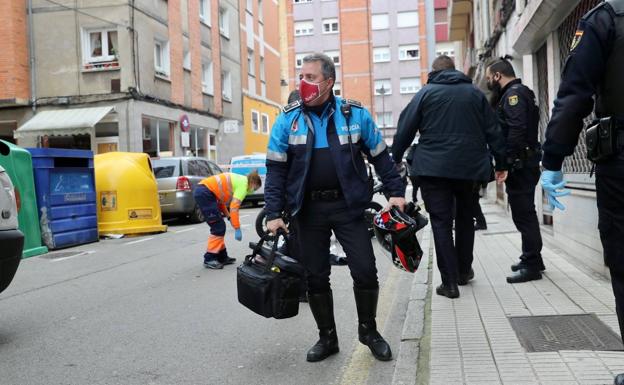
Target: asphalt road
{"x": 143, "y": 310}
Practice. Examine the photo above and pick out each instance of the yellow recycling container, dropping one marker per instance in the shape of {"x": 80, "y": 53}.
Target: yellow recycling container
{"x": 127, "y": 194}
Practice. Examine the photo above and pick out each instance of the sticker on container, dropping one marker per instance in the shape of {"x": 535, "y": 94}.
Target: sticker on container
{"x": 140, "y": 214}
{"x": 108, "y": 200}
{"x": 74, "y": 197}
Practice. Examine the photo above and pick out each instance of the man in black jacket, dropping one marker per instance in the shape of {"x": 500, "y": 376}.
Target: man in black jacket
{"x": 456, "y": 125}
{"x": 518, "y": 116}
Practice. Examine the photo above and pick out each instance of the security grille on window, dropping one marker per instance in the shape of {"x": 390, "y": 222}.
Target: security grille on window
{"x": 161, "y": 58}
{"x": 100, "y": 46}
{"x": 207, "y": 83}
{"x": 410, "y": 85}
{"x": 265, "y": 123}
{"x": 330, "y": 26}
{"x": 303, "y": 28}
{"x": 204, "y": 11}
{"x": 254, "y": 121}
{"x": 384, "y": 84}
{"x": 407, "y": 19}
{"x": 409, "y": 52}
{"x": 381, "y": 54}
{"x": 224, "y": 22}
{"x": 335, "y": 56}
{"x": 226, "y": 84}
{"x": 380, "y": 21}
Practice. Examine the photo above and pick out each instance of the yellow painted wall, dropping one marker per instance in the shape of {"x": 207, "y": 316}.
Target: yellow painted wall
{"x": 257, "y": 141}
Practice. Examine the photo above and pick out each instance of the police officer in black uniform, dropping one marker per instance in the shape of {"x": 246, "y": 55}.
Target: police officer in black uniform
{"x": 518, "y": 116}
{"x": 594, "y": 68}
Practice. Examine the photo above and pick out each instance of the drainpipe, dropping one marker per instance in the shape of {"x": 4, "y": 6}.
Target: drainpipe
{"x": 31, "y": 44}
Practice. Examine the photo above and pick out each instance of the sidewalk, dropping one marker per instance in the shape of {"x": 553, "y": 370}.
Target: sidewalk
{"x": 472, "y": 340}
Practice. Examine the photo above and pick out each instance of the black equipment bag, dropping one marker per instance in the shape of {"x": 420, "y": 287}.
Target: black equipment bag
{"x": 269, "y": 285}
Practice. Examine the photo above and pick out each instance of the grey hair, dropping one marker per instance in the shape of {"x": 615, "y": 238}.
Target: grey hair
{"x": 327, "y": 64}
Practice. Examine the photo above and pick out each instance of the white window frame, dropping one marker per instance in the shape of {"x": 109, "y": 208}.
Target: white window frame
{"x": 204, "y": 12}
{"x": 301, "y": 1}
{"x": 106, "y": 56}
{"x": 384, "y": 115}
{"x": 249, "y": 6}
{"x": 331, "y": 23}
{"x": 262, "y": 69}
{"x": 410, "y": 89}
{"x": 207, "y": 78}
{"x": 299, "y": 57}
{"x": 186, "y": 62}
{"x": 265, "y": 117}
{"x": 226, "y": 86}
{"x": 255, "y": 114}
{"x": 403, "y": 52}
{"x": 377, "y": 18}
{"x": 338, "y": 87}
{"x": 308, "y": 30}
{"x": 448, "y": 52}
{"x": 378, "y": 51}
{"x": 404, "y": 18}
{"x": 224, "y": 22}
{"x": 251, "y": 62}
{"x": 387, "y": 83}
{"x": 163, "y": 69}
{"x": 334, "y": 55}
{"x": 260, "y": 11}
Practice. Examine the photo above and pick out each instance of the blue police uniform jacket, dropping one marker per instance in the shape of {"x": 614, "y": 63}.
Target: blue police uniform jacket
{"x": 294, "y": 136}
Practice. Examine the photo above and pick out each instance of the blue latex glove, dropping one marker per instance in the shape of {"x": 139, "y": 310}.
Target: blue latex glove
{"x": 551, "y": 182}
{"x": 238, "y": 234}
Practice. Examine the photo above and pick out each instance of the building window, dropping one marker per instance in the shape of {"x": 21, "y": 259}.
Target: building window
{"x": 335, "y": 56}
{"x": 186, "y": 63}
{"x": 161, "y": 58}
{"x": 198, "y": 141}
{"x": 299, "y": 59}
{"x": 304, "y": 28}
{"x": 330, "y": 26}
{"x": 251, "y": 62}
{"x": 384, "y": 119}
{"x": 380, "y": 21}
{"x": 260, "y": 11}
{"x": 450, "y": 53}
{"x": 254, "y": 121}
{"x": 407, "y": 19}
{"x": 224, "y": 22}
{"x": 386, "y": 84}
{"x": 337, "y": 89}
{"x": 207, "y": 79}
{"x": 262, "y": 70}
{"x": 301, "y": 1}
{"x": 157, "y": 136}
{"x": 226, "y": 86}
{"x": 409, "y": 52}
{"x": 249, "y": 7}
{"x": 410, "y": 85}
{"x": 381, "y": 54}
{"x": 265, "y": 124}
{"x": 212, "y": 147}
{"x": 204, "y": 11}
{"x": 100, "y": 46}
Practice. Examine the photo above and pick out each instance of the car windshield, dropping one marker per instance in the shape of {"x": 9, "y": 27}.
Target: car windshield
{"x": 165, "y": 168}
{"x": 247, "y": 165}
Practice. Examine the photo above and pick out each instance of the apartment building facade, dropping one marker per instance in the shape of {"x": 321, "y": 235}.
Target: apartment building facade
{"x": 538, "y": 35}
{"x": 152, "y": 76}
{"x": 378, "y": 47}
{"x": 260, "y": 67}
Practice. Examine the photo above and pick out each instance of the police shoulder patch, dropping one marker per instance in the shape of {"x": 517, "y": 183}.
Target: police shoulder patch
{"x": 513, "y": 100}
{"x": 354, "y": 103}
{"x": 292, "y": 106}
{"x": 578, "y": 35}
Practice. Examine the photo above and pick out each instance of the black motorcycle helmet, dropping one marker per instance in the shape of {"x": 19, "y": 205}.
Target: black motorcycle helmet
{"x": 396, "y": 232}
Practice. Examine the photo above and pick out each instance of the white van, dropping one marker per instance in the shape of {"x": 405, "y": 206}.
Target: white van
{"x": 243, "y": 165}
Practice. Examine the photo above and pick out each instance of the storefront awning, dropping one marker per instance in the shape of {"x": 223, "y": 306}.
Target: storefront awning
{"x": 73, "y": 121}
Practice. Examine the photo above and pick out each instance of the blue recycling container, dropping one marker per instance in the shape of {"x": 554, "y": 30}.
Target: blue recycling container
{"x": 66, "y": 198}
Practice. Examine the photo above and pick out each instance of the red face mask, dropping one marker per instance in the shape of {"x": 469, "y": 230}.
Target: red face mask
{"x": 309, "y": 91}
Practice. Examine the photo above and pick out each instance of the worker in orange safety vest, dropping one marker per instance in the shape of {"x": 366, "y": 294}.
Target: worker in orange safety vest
{"x": 221, "y": 196}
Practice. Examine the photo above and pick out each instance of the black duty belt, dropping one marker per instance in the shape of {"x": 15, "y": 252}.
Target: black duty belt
{"x": 325, "y": 195}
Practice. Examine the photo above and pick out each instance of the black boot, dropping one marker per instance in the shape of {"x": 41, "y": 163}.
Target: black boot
{"x": 366, "y": 302}
{"x": 322, "y": 306}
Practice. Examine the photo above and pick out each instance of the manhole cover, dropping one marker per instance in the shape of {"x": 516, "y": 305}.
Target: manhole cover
{"x": 564, "y": 332}
{"x": 61, "y": 254}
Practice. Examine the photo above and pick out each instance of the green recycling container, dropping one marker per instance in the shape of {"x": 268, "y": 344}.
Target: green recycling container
{"x": 18, "y": 164}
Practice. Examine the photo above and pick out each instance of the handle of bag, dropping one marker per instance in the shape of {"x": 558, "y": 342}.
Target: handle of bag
{"x": 265, "y": 237}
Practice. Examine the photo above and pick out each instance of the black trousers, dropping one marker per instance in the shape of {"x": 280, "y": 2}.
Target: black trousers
{"x": 610, "y": 198}
{"x": 415, "y": 181}
{"x": 476, "y": 210}
{"x": 521, "y": 194}
{"x": 439, "y": 194}
{"x": 313, "y": 226}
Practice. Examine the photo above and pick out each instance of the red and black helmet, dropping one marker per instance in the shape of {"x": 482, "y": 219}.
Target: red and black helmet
{"x": 396, "y": 232}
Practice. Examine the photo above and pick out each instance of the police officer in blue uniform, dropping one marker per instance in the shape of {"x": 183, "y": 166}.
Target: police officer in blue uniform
{"x": 316, "y": 172}
{"x": 518, "y": 116}
{"x": 594, "y": 68}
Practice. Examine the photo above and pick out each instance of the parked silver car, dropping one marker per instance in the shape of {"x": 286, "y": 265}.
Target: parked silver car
{"x": 177, "y": 178}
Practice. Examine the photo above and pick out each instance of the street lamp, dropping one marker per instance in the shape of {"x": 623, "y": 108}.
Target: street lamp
{"x": 383, "y": 91}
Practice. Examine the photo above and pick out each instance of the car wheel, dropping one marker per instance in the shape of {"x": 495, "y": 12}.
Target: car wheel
{"x": 197, "y": 216}
{"x": 372, "y": 208}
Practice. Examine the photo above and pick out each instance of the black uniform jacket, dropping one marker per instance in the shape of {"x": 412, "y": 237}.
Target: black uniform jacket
{"x": 456, "y": 125}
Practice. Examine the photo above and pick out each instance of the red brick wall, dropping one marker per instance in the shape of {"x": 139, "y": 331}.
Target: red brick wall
{"x": 196, "y": 58}
{"x": 216, "y": 57}
{"x": 14, "y": 68}
{"x": 176, "y": 51}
